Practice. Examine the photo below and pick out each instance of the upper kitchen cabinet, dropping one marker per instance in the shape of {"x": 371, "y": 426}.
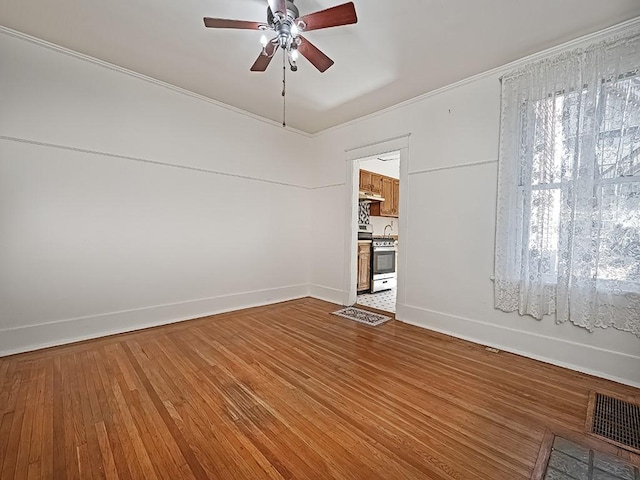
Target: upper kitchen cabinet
{"x": 396, "y": 197}
{"x": 386, "y": 207}
{"x": 370, "y": 182}
{"x": 391, "y": 195}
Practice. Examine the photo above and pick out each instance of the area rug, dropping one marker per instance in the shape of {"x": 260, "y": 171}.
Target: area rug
{"x": 362, "y": 316}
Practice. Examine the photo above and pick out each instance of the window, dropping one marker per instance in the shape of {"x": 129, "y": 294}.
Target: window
{"x": 616, "y": 177}
{"x": 568, "y": 226}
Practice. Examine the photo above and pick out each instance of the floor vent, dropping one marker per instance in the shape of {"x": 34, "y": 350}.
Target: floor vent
{"x": 615, "y": 421}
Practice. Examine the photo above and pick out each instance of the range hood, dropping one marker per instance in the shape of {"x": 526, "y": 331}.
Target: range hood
{"x": 370, "y": 197}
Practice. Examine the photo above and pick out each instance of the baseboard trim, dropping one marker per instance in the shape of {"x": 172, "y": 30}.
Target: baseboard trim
{"x": 618, "y": 367}
{"x": 607, "y": 364}
{"x": 34, "y": 337}
{"x": 328, "y": 294}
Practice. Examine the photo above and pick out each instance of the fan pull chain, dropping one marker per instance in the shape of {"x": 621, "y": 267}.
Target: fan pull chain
{"x": 284, "y": 87}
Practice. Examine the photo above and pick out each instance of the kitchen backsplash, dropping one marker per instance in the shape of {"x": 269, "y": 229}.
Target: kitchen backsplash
{"x": 364, "y": 212}
{"x": 379, "y": 224}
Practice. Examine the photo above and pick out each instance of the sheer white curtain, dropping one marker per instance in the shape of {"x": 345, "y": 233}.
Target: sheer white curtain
{"x": 568, "y": 211}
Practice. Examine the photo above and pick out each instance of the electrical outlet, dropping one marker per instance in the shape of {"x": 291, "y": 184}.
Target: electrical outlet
{"x": 391, "y": 224}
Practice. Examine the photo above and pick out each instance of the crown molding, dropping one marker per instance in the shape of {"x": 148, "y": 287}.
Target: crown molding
{"x": 86, "y": 58}
{"x": 499, "y": 71}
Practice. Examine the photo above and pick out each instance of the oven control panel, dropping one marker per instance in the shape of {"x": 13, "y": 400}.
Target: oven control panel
{"x": 383, "y": 242}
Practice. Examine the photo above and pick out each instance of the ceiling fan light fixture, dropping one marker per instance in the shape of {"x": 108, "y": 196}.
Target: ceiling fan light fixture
{"x": 283, "y": 18}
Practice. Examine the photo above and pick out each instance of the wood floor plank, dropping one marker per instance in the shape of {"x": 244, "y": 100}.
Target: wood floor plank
{"x": 5, "y": 428}
{"x": 85, "y": 414}
{"x": 108, "y": 464}
{"x": 5, "y": 375}
{"x": 26, "y": 439}
{"x": 10, "y": 387}
{"x": 14, "y": 445}
{"x": 59, "y": 458}
{"x": 193, "y": 463}
{"x": 136, "y": 447}
{"x": 285, "y": 391}
{"x": 72, "y": 427}
{"x": 37, "y": 432}
{"x": 34, "y": 472}
{"x": 124, "y": 460}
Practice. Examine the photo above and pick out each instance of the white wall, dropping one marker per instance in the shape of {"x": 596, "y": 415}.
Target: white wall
{"x": 450, "y": 215}
{"x": 124, "y": 203}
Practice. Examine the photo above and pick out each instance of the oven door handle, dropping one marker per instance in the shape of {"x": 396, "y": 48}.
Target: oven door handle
{"x": 384, "y": 249}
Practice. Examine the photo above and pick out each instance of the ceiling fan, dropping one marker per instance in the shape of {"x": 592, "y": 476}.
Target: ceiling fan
{"x": 284, "y": 19}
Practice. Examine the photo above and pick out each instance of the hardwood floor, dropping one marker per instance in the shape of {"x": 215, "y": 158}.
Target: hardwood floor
{"x": 284, "y": 391}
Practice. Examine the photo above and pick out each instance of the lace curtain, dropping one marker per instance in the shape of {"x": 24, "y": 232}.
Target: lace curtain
{"x": 568, "y": 210}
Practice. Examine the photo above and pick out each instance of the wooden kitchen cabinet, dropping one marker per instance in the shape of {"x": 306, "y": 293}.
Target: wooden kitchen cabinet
{"x": 396, "y": 198}
{"x": 364, "y": 267}
{"x": 371, "y": 182}
{"x": 365, "y": 181}
{"x": 376, "y": 183}
{"x": 391, "y": 194}
{"x": 386, "y": 207}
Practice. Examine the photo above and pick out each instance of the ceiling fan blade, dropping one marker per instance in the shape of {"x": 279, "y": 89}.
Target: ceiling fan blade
{"x": 263, "y": 61}
{"x": 314, "y": 55}
{"x": 241, "y": 24}
{"x": 344, "y": 14}
{"x": 278, "y": 6}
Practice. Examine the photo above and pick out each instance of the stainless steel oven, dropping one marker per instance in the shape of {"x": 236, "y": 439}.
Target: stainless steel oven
{"x": 383, "y": 264}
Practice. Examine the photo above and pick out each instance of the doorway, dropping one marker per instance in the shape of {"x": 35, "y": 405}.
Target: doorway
{"x": 378, "y": 210}
{"x": 389, "y": 161}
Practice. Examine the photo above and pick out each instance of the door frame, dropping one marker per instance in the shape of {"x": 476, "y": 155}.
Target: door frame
{"x": 352, "y": 157}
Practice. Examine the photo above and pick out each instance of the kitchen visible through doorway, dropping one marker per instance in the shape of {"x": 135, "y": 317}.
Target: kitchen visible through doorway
{"x": 377, "y": 249}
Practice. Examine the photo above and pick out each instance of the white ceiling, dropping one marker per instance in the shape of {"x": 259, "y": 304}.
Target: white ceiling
{"x": 397, "y": 50}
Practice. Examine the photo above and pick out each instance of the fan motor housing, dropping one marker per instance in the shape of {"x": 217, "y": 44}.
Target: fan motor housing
{"x": 292, "y": 12}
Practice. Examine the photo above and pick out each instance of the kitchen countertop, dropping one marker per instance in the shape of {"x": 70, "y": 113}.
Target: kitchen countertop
{"x": 364, "y": 241}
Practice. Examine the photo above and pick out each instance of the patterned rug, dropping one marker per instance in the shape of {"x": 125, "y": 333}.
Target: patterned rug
{"x": 362, "y": 316}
